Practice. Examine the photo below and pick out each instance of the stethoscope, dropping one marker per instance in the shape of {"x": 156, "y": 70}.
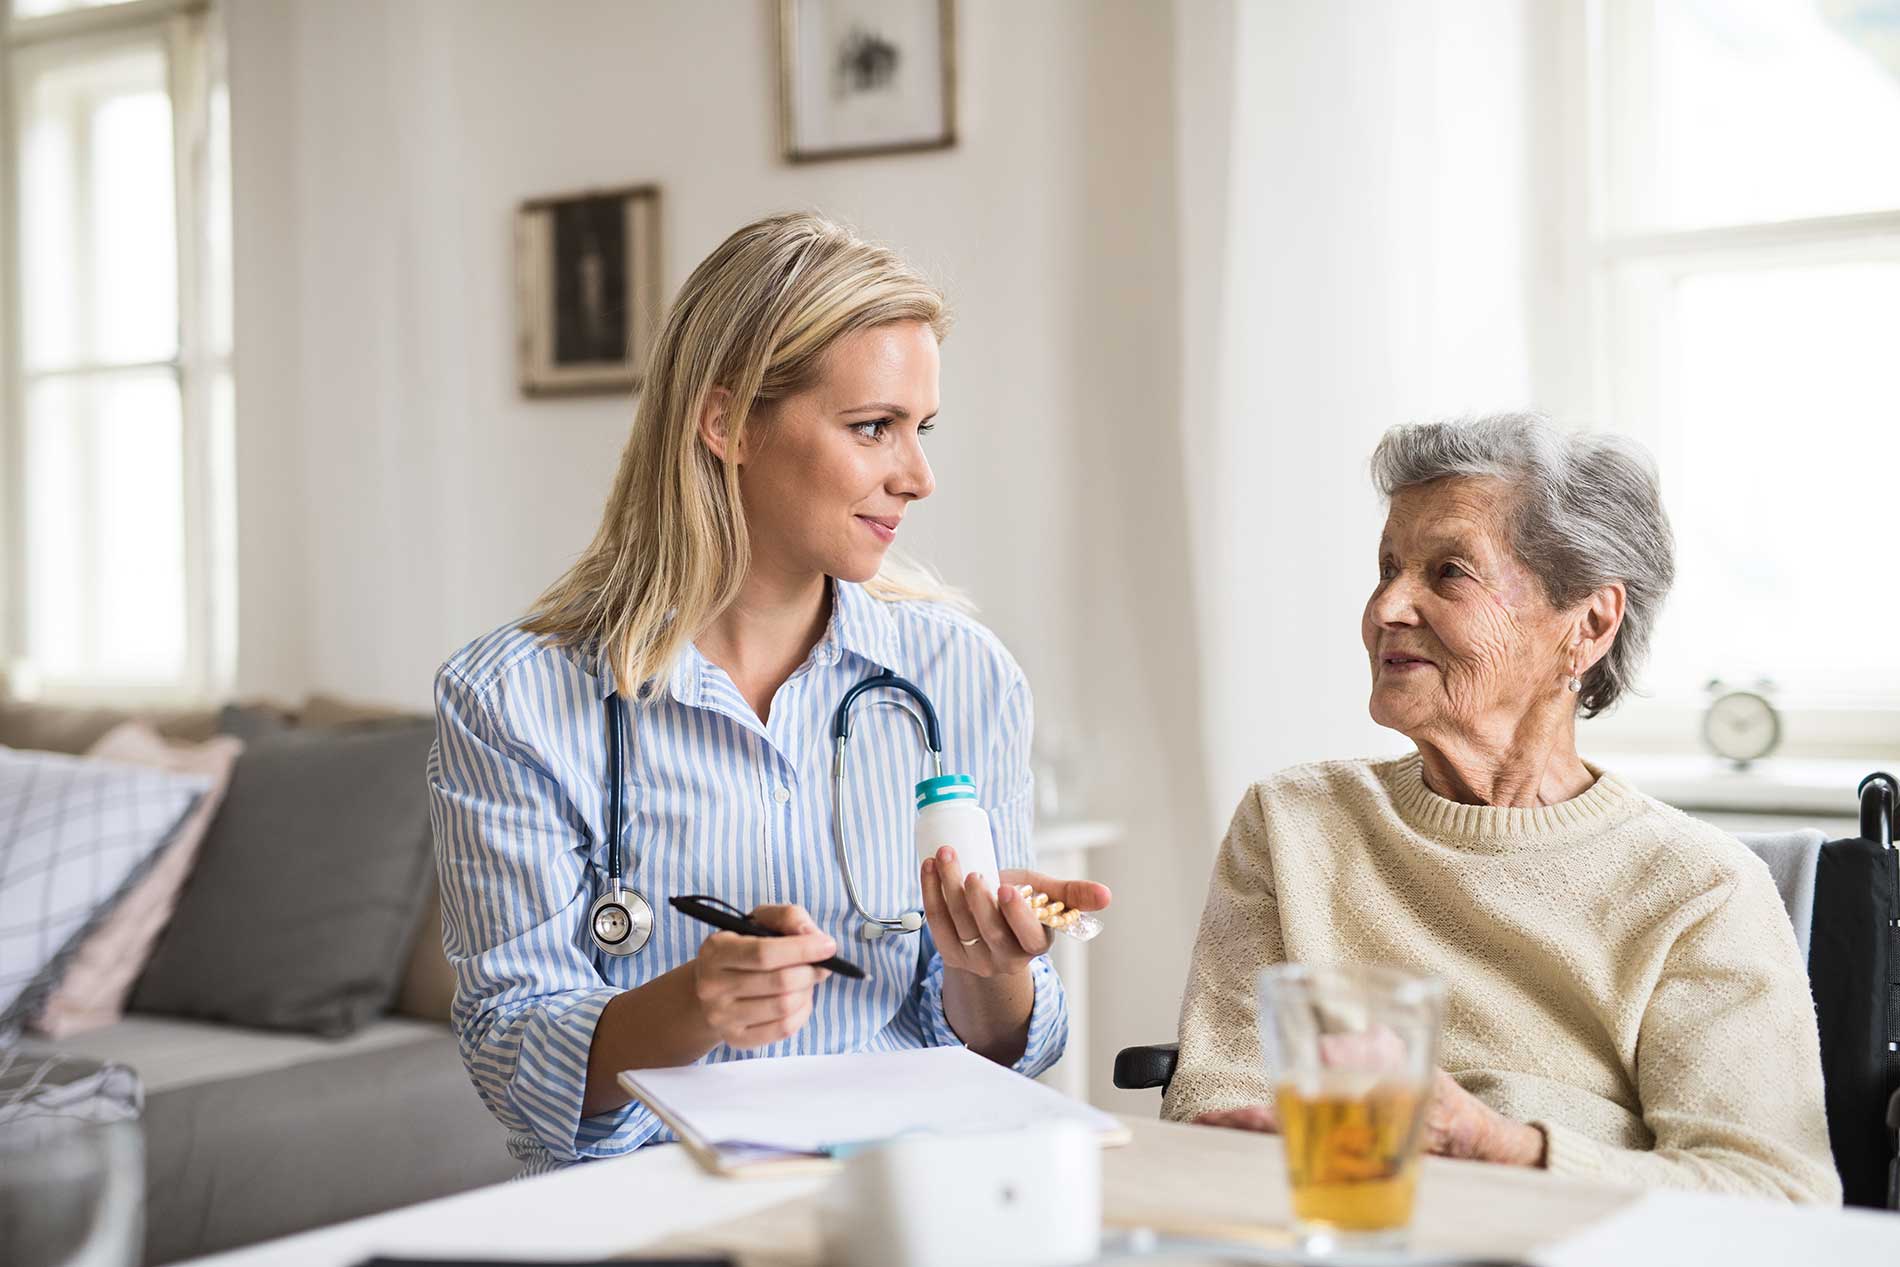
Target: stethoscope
{"x": 621, "y": 920}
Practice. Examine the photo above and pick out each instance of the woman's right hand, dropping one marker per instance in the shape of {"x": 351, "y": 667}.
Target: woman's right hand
{"x": 754, "y": 991}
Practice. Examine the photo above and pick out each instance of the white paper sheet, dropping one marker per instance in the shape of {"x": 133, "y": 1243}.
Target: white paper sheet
{"x": 1670, "y": 1229}
{"x": 811, "y": 1103}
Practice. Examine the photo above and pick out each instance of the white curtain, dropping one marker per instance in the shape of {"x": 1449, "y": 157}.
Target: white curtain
{"x": 1364, "y": 255}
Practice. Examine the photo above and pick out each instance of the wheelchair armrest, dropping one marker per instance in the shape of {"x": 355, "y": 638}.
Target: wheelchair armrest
{"x": 1138, "y": 1068}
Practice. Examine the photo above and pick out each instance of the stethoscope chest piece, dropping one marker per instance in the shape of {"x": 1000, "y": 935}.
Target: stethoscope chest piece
{"x": 621, "y": 921}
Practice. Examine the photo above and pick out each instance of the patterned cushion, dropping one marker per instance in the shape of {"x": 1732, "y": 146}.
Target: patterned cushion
{"x": 74, "y": 834}
{"x": 92, "y": 991}
{"x": 42, "y": 1085}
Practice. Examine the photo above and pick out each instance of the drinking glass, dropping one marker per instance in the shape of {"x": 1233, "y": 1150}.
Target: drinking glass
{"x": 1351, "y": 1052}
{"x": 72, "y": 1193}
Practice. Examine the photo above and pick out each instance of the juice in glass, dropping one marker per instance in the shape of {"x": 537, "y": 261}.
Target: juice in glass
{"x": 1351, "y": 1052}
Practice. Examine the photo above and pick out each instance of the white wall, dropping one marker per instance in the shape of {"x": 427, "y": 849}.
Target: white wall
{"x": 1139, "y": 678}
{"x": 398, "y": 496}
{"x": 429, "y": 501}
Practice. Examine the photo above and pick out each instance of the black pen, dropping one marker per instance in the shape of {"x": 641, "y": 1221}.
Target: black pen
{"x": 710, "y": 910}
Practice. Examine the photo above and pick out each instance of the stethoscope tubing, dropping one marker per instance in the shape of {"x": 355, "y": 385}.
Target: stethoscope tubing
{"x": 616, "y": 779}
{"x": 908, "y": 921}
{"x": 875, "y": 925}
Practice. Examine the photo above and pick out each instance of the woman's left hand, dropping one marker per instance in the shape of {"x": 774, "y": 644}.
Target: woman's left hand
{"x": 1459, "y": 1124}
{"x": 994, "y": 937}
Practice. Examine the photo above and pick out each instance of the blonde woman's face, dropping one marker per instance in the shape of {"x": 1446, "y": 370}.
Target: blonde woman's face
{"x": 827, "y": 476}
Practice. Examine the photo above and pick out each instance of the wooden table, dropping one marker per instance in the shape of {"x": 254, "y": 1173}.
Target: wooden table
{"x": 1184, "y": 1179}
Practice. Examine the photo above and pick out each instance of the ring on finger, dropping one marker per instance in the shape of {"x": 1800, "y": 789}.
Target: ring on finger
{"x": 969, "y": 941}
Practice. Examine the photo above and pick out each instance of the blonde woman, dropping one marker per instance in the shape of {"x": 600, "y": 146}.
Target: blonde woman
{"x": 737, "y": 587}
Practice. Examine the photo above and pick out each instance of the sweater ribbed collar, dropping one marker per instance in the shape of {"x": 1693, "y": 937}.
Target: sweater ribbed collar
{"x": 1496, "y": 828}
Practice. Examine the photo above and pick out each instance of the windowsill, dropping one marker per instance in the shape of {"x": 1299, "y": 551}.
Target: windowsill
{"x": 1777, "y": 785}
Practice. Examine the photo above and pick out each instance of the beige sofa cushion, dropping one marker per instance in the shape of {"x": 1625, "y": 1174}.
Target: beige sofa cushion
{"x": 68, "y": 728}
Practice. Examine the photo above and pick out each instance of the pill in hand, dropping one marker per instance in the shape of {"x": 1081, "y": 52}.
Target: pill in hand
{"x": 1058, "y": 916}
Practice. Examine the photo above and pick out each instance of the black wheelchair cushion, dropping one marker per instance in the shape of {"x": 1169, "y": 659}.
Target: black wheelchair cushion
{"x": 1854, "y": 970}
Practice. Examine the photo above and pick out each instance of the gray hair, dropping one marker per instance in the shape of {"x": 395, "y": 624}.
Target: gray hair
{"x": 1589, "y": 513}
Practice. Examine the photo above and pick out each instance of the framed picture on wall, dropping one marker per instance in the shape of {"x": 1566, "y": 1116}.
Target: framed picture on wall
{"x": 861, "y": 77}
{"x": 587, "y": 283}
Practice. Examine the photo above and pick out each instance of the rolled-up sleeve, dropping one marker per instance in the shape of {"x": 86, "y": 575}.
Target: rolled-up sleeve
{"x": 1012, "y": 820}
{"x": 511, "y": 857}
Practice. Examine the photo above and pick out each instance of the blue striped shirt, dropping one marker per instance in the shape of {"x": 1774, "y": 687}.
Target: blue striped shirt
{"x": 715, "y": 802}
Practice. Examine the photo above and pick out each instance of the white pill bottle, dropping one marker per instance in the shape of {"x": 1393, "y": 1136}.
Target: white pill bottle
{"x": 947, "y": 814}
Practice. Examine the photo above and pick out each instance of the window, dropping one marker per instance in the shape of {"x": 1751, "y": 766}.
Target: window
{"x": 118, "y": 429}
{"x": 1745, "y": 262}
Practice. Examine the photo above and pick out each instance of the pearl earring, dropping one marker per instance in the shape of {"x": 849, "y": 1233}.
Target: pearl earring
{"x": 1576, "y": 685}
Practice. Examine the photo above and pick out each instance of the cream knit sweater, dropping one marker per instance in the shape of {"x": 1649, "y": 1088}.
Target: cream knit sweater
{"x": 1618, "y": 974}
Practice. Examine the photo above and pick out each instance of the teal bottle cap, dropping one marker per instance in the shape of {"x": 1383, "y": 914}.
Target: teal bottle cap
{"x": 946, "y": 787}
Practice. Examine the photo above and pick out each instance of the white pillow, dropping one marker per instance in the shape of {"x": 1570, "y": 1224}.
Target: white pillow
{"x": 74, "y": 835}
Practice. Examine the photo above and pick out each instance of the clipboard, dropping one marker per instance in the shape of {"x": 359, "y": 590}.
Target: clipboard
{"x": 780, "y": 1116}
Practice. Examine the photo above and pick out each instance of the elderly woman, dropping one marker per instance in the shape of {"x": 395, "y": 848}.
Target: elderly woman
{"x": 1624, "y": 999}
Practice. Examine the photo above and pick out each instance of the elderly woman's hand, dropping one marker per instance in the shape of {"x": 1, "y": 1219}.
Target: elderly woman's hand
{"x": 1264, "y": 1118}
{"x": 1457, "y": 1124}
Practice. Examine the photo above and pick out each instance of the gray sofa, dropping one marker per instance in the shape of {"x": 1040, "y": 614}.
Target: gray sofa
{"x": 253, "y": 1134}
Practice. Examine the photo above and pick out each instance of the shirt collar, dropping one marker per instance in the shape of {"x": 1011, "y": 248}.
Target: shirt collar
{"x": 682, "y": 684}
{"x": 860, "y": 624}
{"x": 603, "y": 671}
{"x": 863, "y": 626}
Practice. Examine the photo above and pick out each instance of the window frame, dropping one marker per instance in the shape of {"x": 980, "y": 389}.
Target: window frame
{"x": 1600, "y": 266}
{"x": 188, "y": 33}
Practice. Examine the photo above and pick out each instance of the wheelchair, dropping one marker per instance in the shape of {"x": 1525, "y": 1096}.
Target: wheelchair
{"x": 1854, "y": 973}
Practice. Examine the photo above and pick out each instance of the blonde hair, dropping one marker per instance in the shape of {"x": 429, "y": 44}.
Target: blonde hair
{"x": 755, "y": 318}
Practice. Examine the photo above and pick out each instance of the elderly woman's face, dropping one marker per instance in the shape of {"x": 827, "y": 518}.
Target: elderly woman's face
{"x": 1460, "y": 634}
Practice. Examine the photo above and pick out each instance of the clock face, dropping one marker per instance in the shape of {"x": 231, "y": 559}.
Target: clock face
{"x": 1741, "y": 726}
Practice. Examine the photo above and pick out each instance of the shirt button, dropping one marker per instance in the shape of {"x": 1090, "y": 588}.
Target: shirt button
{"x": 781, "y": 795}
